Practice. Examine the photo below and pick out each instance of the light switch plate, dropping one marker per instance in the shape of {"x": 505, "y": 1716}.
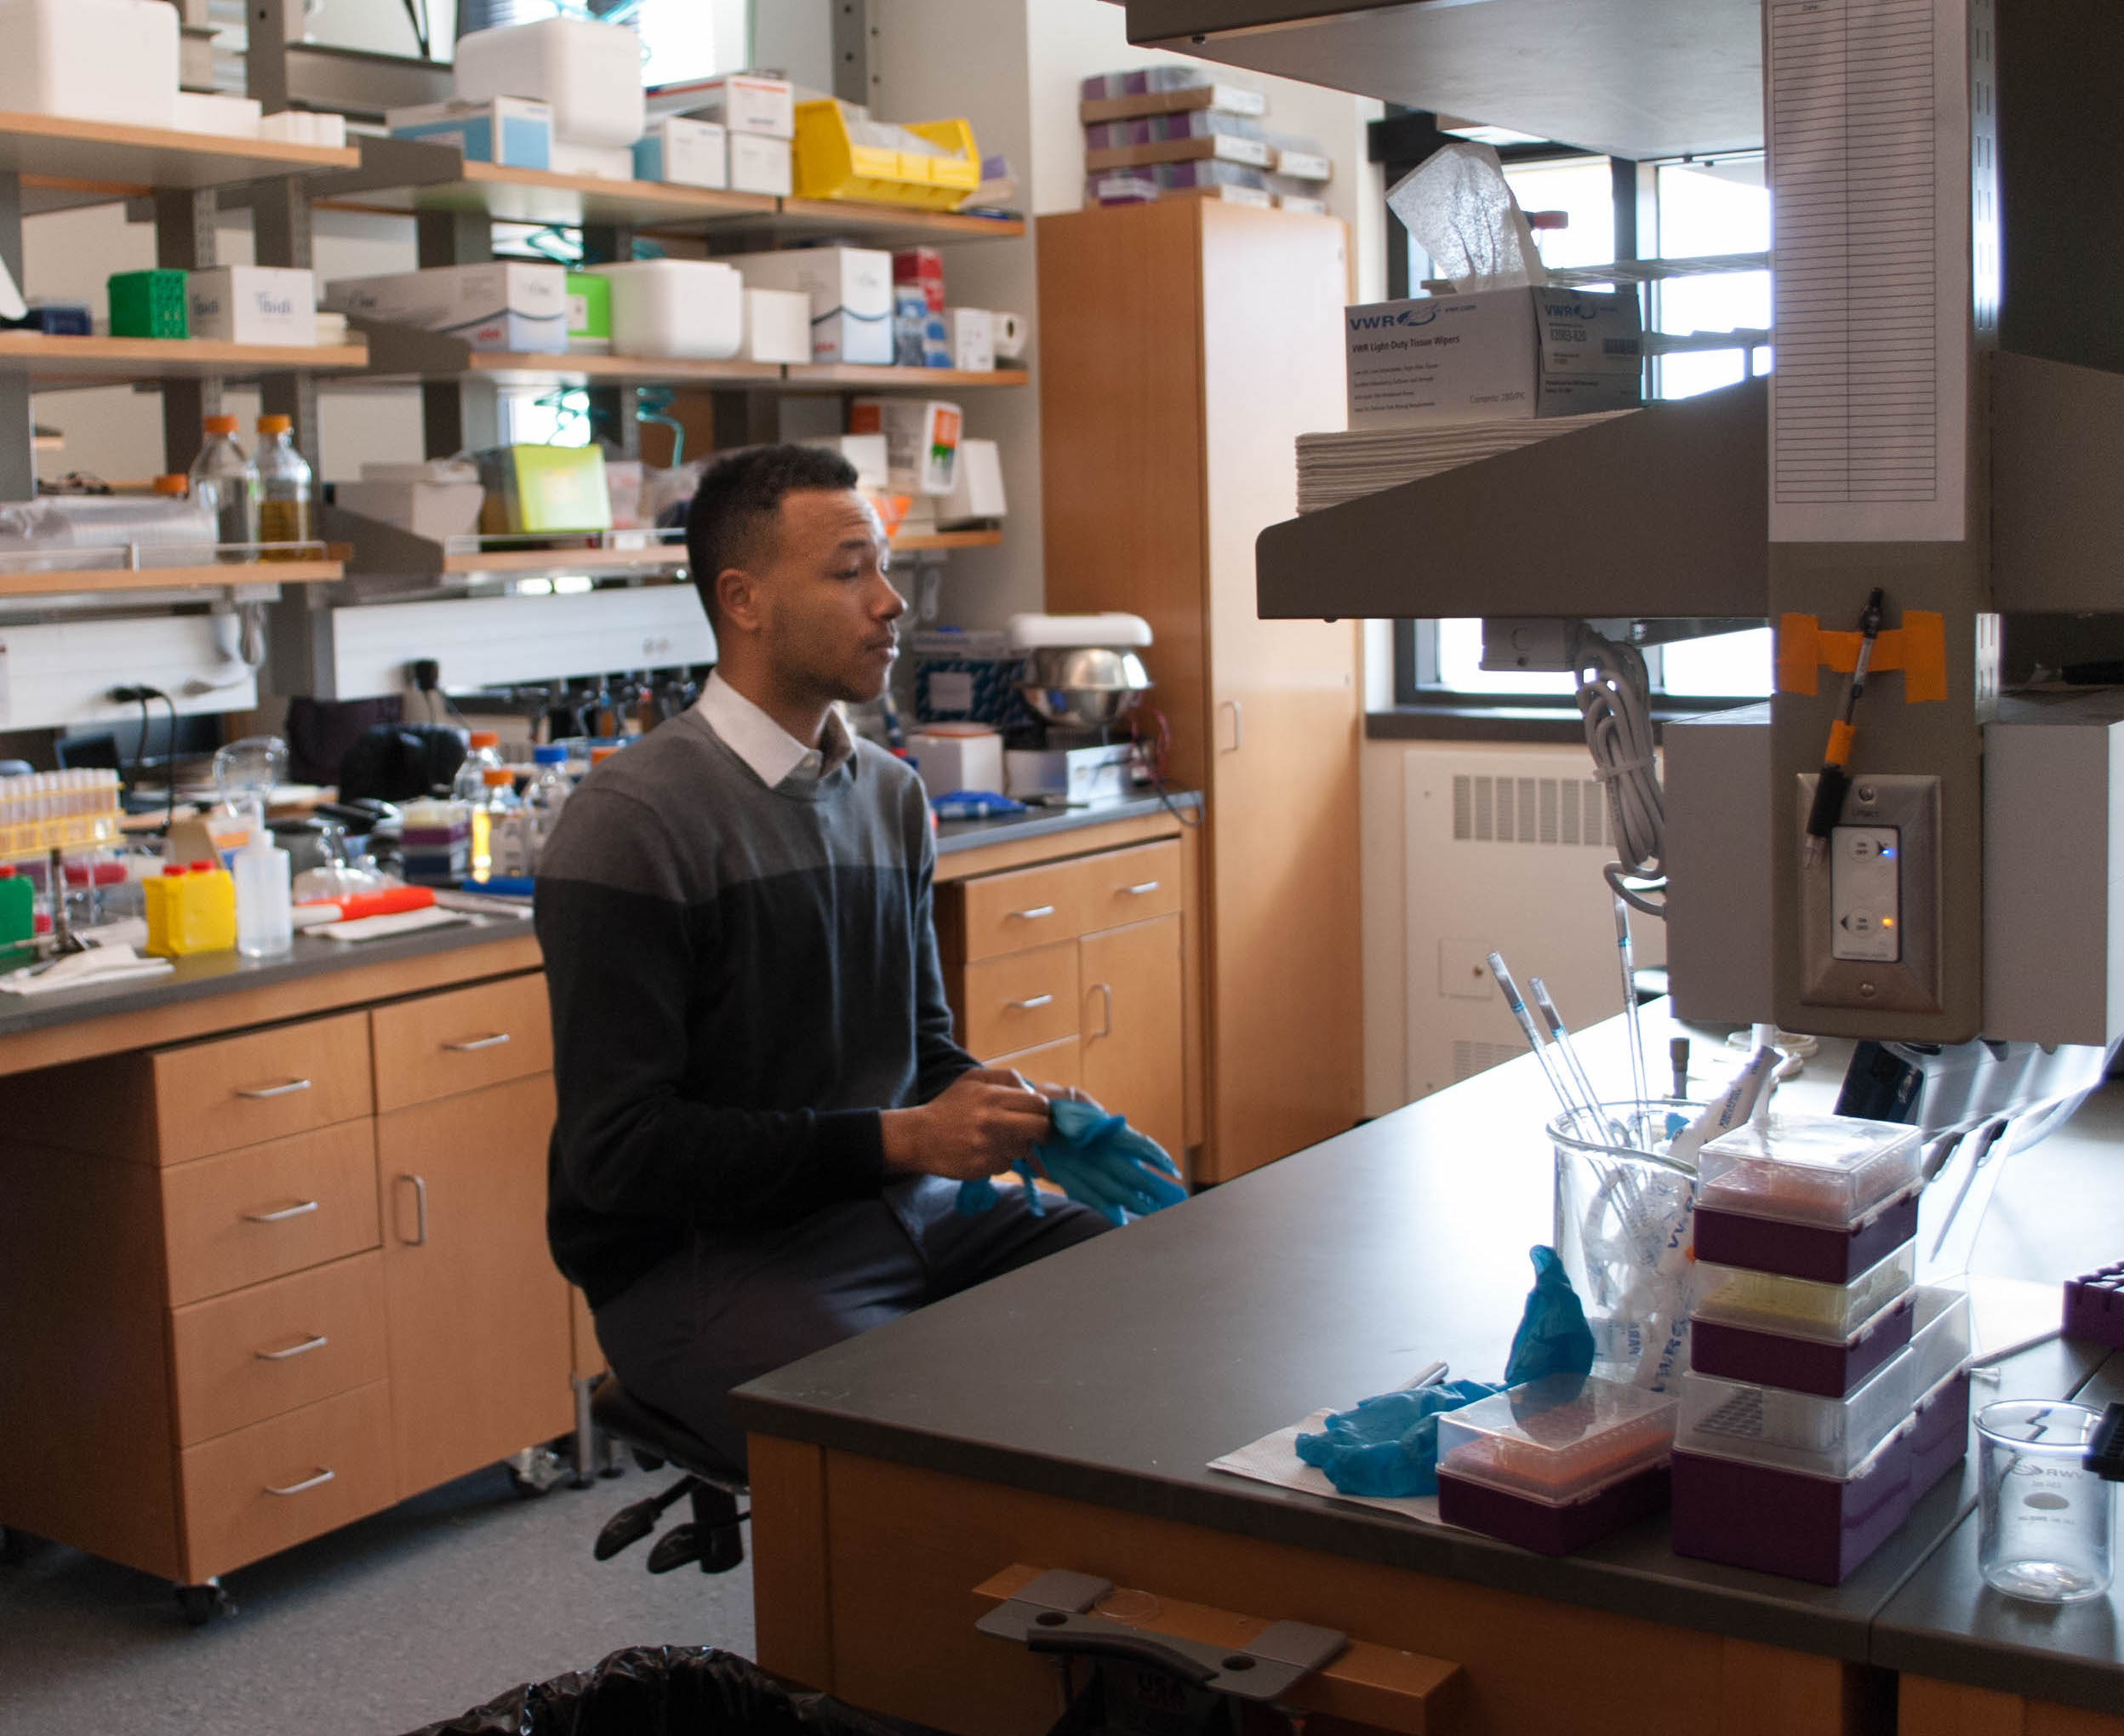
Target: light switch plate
{"x": 1869, "y": 922}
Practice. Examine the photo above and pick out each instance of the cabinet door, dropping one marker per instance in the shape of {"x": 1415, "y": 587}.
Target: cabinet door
{"x": 1131, "y": 1049}
{"x": 478, "y": 1316}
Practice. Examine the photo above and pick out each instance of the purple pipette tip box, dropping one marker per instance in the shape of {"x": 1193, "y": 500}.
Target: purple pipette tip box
{"x": 2094, "y": 1306}
{"x": 1818, "y": 1251}
{"x": 1826, "y": 1369}
{"x": 1817, "y": 1529}
{"x": 1551, "y": 1530}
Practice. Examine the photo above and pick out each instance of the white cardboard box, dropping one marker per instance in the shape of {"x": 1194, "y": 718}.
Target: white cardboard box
{"x": 777, "y": 326}
{"x": 1077, "y": 774}
{"x": 505, "y": 305}
{"x": 685, "y": 153}
{"x": 253, "y": 304}
{"x": 950, "y": 757}
{"x": 977, "y": 486}
{"x": 514, "y": 131}
{"x": 866, "y": 451}
{"x": 921, "y": 439}
{"x": 761, "y": 165}
{"x": 973, "y": 332}
{"x": 765, "y": 107}
{"x": 590, "y": 72}
{"x": 1503, "y": 355}
{"x": 851, "y": 292}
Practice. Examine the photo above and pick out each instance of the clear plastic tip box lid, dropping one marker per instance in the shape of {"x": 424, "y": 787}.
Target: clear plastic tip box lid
{"x": 1557, "y": 1440}
{"x": 1827, "y": 1170}
{"x": 1800, "y": 1307}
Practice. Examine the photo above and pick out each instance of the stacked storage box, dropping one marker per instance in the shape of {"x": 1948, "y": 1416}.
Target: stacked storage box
{"x": 1166, "y": 132}
{"x": 1556, "y": 1464}
{"x": 1826, "y": 1391}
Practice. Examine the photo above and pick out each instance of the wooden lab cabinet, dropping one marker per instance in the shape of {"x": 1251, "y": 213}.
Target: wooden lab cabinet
{"x": 1073, "y": 972}
{"x": 256, "y": 1287}
{"x": 1184, "y": 345}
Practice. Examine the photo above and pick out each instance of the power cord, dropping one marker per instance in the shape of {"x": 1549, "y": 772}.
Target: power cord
{"x": 140, "y": 694}
{"x": 1615, "y": 701}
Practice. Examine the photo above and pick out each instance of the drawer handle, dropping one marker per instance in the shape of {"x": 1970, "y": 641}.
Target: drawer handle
{"x": 258, "y": 1093}
{"x": 309, "y": 1482}
{"x": 420, "y": 1210}
{"x": 1027, "y": 1005}
{"x": 302, "y": 1208}
{"x": 1034, "y": 914}
{"x": 478, "y": 1042}
{"x": 316, "y": 1341}
{"x": 1140, "y": 888}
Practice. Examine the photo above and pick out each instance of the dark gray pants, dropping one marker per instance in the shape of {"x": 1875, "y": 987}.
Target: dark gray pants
{"x": 733, "y": 1306}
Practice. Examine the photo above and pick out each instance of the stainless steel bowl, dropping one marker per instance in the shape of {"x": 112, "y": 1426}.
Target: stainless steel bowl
{"x": 1083, "y": 685}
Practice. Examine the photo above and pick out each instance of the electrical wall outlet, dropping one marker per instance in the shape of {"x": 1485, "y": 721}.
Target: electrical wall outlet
{"x": 1869, "y": 911}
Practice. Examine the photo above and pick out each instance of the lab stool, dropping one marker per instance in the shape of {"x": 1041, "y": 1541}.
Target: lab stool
{"x": 711, "y": 1536}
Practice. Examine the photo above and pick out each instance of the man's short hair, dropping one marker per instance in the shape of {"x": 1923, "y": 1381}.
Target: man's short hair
{"x": 733, "y": 514}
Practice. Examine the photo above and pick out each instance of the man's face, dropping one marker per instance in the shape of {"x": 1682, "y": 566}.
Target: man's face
{"x": 827, "y": 609}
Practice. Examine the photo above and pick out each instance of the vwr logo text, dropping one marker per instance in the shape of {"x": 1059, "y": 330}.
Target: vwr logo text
{"x": 1407, "y": 317}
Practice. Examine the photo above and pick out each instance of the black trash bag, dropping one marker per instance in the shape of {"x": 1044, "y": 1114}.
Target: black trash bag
{"x": 664, "y": 1691}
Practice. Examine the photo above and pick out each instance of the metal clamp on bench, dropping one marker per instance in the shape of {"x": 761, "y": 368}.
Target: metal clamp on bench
{"x": 1051, "y": 1615}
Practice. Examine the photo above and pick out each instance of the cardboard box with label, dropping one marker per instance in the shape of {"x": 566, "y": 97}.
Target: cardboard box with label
{"x": 1500, "y": 355}
{"x": 851, "y": 291}
{"x": 761, "y": 165}
{"x": 1079, "y": 775}
{"x": 687, "y": 153}
{"x": 515, "y": 131}
{"x": 921, "y": 439}
{"x": 504, "y": 306}
{"x": 252, "y": 305}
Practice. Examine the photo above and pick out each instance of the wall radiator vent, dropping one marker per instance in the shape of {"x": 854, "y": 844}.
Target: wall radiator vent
{"x": 1488, "y": 809}
{"x": 1471, "y": 884}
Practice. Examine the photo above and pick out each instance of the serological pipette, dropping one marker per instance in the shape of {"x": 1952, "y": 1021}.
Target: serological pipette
{"x": 1629, "y": 1002}
{"x": 1528, "y": 1029}
{"x": 1561, "y": 1037}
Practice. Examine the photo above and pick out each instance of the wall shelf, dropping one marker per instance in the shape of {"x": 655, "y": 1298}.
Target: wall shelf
{"x": 404, "y": 354}
{"x": 886, "y": 225}
{"x": 387, "y": 558}
{"x": 53, "y": 363}
{"x": 847, "y": 376}
{"x": 66, "y": 163}
{"x": 927, "y": 542}
{"x": 407, "y": 176}
{"x": 121, "y": 580}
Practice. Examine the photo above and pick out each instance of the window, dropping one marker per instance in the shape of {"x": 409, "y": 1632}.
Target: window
{"x": 1696, "y": 208}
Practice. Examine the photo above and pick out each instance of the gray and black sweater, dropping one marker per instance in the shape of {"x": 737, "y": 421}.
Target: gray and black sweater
{"x": 741, "y": 980}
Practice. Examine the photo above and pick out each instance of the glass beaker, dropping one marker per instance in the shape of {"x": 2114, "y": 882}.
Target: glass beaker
{"x": 1625, "y": 1217}
{"x": 2043, "y": 1518}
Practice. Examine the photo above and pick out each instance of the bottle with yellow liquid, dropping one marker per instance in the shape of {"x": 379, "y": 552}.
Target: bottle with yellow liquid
{"x": 287, "y": 507}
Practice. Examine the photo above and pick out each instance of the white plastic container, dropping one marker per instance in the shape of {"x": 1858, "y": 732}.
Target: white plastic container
{"x": 264, "y": 907}
{"x": 678, "y": 309}
{"x": 232, "y": 117}
{"x": 95, "y": 60}
{"x": 850, "y": 288}
{"x": 591, "y": 73}
{"x": 1793, "y": 1431}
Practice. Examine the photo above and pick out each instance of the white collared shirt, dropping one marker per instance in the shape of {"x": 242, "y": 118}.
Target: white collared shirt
{"x": 774, "y": 754}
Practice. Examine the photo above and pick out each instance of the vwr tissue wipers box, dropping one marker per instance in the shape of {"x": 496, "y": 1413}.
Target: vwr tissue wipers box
{"x": 1498, "y": 355}
{"x": 507, "y": 304}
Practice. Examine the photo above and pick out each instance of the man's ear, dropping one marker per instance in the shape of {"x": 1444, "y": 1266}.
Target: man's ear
{"x": 739, "y": 600}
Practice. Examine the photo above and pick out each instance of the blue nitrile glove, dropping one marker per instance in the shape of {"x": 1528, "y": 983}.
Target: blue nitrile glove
{"x": 1095, "y": 1158}
{"x": 1389, "y": 1445}
{"x": 1553, "y": 1337}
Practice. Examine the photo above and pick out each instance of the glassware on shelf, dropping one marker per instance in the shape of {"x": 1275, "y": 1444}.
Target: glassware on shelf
{"x": 246, "y": 773}
{"x": 287, "y": 508}
{"x": 226, "y": 482}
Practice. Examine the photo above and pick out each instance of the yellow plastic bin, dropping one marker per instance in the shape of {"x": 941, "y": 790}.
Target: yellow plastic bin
{"x": 831, "y": 165}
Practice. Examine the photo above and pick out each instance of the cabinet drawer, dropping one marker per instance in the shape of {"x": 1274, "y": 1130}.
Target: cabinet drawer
{"x": 278, "y": 1346}
{"x": 1017, "y": 1002}
{"x": 440, "y": 1045}
{"x": 1131, "y": 886}
{"x": 1049, "y": 1064}
{"x": 241, "y": 1090}
{"x": 1001, "y": 913}
{"x": 264, "y": 1489}
{"x": 246, "y": 1216}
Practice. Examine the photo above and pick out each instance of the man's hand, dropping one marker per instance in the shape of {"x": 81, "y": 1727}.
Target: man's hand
{"x": 986, "y": 1121}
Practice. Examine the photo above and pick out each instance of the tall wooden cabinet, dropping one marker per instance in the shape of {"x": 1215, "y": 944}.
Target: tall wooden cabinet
{"x": 1184, "y": 345}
